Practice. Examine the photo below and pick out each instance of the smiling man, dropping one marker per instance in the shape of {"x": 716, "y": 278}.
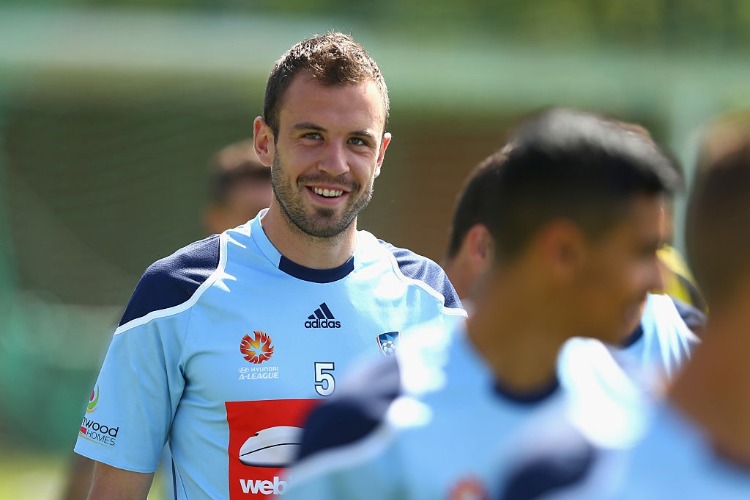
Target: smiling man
{"x": 326, "y": 145}
{"x": 227, "y": 343}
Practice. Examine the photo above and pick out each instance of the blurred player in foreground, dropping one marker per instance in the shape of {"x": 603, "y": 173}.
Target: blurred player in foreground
{"x": 698, "y": 445}
{"x": 660, "y": 341}
{"x": 226, "y": 344}
{"x": 573, "y": 205}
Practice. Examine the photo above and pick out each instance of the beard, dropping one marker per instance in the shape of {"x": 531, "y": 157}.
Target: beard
{"x": 319, "y": 222}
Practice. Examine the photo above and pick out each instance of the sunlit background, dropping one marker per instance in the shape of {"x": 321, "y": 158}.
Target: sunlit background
{"x": 110, "y": 110}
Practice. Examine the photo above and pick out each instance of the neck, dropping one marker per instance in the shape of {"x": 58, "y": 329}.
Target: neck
{"x": 714, "y": 389}
{"x": 306, "y": 250}
{"x": 519, "y": 344}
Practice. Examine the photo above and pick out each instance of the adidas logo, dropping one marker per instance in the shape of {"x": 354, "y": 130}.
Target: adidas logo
{"x": 322, "y": 318}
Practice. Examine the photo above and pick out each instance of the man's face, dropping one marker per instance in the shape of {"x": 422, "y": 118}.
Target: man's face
{"x": 328, "y": 151}
{"x": 622, "y": 266}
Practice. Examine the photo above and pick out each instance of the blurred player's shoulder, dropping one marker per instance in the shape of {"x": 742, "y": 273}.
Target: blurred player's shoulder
{"x": 664, "y": 340}
{"x": 696, "y": 469}
{"x": 673, "y": 459}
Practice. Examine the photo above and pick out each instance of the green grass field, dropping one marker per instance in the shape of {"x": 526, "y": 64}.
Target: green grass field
{"x": 27, "y": 475}
{"x": 35, "y": 475}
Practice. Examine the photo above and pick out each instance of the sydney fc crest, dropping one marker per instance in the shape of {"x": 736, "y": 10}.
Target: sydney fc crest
{"x": 387, "y": 343}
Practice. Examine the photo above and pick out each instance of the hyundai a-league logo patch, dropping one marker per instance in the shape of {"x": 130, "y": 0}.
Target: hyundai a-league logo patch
{"x": 258, "y": 348}
{"x": 387, "y": 343}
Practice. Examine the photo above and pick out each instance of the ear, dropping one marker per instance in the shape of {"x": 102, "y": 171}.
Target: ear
{"x": 480, "y": 246}
{"x": 263, "y": 140}
{"x": 562, "y": 247}
{"x": 381, "y": 154}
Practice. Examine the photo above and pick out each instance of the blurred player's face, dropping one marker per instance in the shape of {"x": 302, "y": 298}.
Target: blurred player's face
{"x": 245, "y": 199}
{"x": 620, "y": 269}
{"x": 328, "y": 151}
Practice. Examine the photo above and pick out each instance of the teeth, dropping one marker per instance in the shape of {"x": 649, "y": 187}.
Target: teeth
{"x": 328, "y": 193}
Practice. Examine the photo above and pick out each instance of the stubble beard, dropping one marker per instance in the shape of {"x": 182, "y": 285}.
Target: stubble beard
{"x": 324, "y": 222}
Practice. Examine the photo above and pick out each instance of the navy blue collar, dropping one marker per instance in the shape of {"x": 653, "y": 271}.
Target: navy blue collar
{"x": 633, "y": 337}
{"x": 530, "y": 397}
{"x": 316, "y": 275}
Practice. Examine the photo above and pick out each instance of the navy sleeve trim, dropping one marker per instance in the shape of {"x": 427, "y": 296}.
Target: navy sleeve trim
{"x": 634, "y": 337}
{"x": 550, "y": 471}
{"x": 530, "y": 397}
{"x": 173, "y": 280}
{"x": 692, "y": 316}
{"x": 354, "y": 411}
{"x": 421, "y": 268}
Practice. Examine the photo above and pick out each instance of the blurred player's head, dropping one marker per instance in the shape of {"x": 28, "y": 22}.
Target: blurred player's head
{"x": 332, "y": 59}
{"x": 240, "y": 187}
{"x": 470, "y": 251}
{"x": 718, "y": 214}
{"x": 578, "y": 199}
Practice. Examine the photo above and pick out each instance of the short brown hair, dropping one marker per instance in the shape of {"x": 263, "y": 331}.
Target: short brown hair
{"x": 332, "y": 59}
{"x": 560, "y": 163}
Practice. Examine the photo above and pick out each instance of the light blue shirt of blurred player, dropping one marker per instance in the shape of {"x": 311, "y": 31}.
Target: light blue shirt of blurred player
{"x": 434, "y": 422}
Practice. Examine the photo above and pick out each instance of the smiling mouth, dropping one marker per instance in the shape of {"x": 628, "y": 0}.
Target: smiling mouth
{"x": 327, "y": 193}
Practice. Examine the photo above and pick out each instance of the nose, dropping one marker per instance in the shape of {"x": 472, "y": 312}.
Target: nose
{"x": 334, "y": 159}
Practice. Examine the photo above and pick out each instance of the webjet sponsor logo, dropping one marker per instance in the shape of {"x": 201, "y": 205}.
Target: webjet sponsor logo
{"x": 272, "y": 447}
{"x": 263, "y": 439}
{"x": 98, "y": 432}
{"x": 263, "y": 487}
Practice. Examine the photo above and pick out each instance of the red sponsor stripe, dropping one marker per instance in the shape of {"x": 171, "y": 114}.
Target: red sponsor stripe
{"x": 245, "y": 418}
{"x": 83, "y": 430}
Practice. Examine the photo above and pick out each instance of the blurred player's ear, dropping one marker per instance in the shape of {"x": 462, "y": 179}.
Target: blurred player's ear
{"x": 480, "y": 245}
{"x": 562, "y": 247}
{"x": 263, "y": 140}
{"x": 381, "y": 154}
{"x": 478, "y": 249}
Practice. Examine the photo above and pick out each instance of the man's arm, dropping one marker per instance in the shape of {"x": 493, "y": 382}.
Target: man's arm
{"x": 111, "y": 483}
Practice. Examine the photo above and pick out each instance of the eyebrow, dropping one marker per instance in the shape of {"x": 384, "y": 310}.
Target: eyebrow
{"x": 312, "y": 126}
{"x": 307, "y": 126}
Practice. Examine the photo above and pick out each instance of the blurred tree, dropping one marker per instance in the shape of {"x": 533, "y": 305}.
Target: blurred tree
{"x": 667, "y": 24}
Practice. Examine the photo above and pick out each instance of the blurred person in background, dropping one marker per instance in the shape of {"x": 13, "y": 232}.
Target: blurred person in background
{"x": 239, "y": 187}
{"x": 662, "y": 339}
{"x": 226, "y": 344}
{"x": 698, "y": 443}
{"x": 679, "y": 282}
{"x": 573, "y": 213}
